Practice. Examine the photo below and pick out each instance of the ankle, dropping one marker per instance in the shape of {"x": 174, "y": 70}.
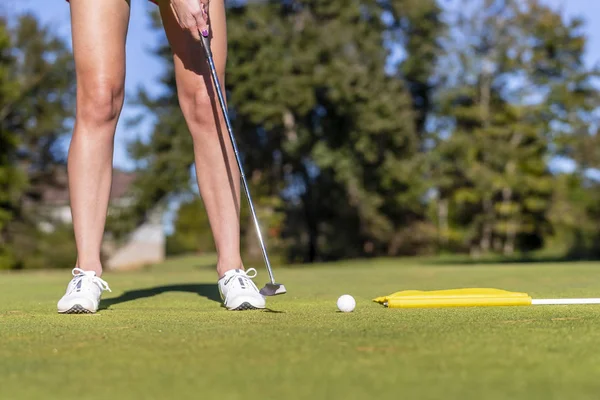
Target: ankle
{"x": 95, "y": 268}
{"x": 223, "y": 267}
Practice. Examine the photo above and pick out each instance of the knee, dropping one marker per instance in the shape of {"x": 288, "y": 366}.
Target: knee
{"x": 198, "y": 109}
{"x": 99, "y": 103}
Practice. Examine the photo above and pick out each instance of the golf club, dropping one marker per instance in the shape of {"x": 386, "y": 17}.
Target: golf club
{"x": 271, "y": 288}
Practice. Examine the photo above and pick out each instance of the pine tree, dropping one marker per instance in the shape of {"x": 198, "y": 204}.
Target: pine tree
{"x": 505, "y": 60}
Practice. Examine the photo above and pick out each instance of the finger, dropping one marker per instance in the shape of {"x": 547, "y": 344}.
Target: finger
{"x": 204, "y": 10}
{"x": 193, "y": 29}
{"x": 202, "y": 21}
{"x": 202, "y": 27}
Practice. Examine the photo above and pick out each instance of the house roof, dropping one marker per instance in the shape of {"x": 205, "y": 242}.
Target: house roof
{"x": 58, "y": 194}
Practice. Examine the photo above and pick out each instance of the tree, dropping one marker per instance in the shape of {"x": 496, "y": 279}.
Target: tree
{"x": 570, "y": 114}
{"x": 37, "y": 86}
{"x": 352, "y": 151}
{"x": 328, "y": 137}
{"x": 11, "y": 179}
{"x": 342, "y": 129}
{"x": 416, "y": 26}
{"x": 505, "y": 63}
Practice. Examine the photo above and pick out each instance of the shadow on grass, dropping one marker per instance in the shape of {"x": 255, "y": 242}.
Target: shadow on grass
{"x": 207, "y": 290}
{"x": 268, "y": 310}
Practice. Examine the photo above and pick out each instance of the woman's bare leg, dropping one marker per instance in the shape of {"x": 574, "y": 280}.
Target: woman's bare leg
{"x": 216, "y": 168}
{"x": 99, "y": 29}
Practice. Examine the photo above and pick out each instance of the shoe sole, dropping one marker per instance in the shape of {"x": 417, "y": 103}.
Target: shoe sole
{"x": 76, "y": 309}
{"x": 245, "y": 306}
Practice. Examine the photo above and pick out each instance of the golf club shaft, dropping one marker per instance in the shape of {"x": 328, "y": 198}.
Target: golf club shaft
{"x": 215, "y": 78}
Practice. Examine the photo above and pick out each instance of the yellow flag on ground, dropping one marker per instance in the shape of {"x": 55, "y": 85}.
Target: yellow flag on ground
{"x": 470, "y": 297}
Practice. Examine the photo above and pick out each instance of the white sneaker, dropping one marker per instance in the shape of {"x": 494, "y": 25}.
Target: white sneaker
{"x": 83, "y": 293}
{"x": 239, "y": 292}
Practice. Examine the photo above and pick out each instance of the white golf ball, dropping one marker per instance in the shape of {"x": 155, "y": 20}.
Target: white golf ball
{"x": 346, "y": 303}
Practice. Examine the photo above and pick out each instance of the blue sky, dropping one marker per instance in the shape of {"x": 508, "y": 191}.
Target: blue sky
{"x": 143, "y": 68}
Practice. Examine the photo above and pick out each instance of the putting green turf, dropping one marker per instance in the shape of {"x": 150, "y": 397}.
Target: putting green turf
{"x": 163, "y": 335}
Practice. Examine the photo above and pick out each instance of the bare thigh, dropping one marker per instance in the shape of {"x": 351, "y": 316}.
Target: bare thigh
{"x": 99, "y": 30}
{"x": 192, "y": 73}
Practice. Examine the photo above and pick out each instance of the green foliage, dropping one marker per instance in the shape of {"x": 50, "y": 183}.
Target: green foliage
{"x": 191, "y": 230}
{"x": 11, "y": 179}
{"x": 350, "y": 150}
{"x": 355, "y": 152}
{"x": 340, "y": 131}
{"x": 33, "y": 248}
{"x": 417, "y": 26}
{"x": 36, "y": 102}
{"x": 503, "y": 95}
{"x": 327, "y": 136}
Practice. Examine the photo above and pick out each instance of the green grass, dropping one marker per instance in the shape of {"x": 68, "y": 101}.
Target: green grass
{"x": 163, "y": 335}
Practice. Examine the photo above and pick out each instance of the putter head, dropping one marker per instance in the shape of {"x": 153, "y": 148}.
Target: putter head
{"x": 273, "y": 289}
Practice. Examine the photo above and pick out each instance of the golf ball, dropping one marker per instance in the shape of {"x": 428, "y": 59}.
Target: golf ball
{"x": 346, "y": 303}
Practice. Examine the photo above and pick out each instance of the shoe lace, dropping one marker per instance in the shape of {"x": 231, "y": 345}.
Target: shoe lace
{"x": 251, "y": 270}
{"x": 246, "y": 276}
{"x": 78, "y": 273}
{"x": 250, "y": 277}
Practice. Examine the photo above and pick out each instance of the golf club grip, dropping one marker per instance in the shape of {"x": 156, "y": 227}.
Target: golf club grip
{"x": 215, "y": 79}
{"x": 206, "y": 47}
